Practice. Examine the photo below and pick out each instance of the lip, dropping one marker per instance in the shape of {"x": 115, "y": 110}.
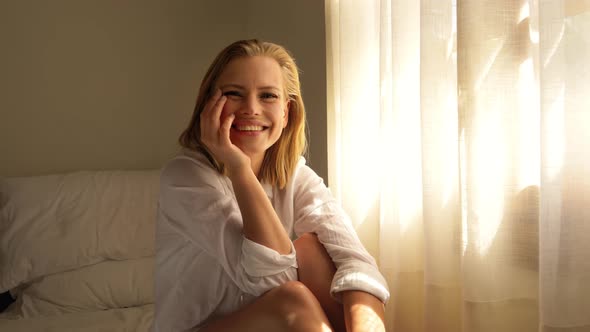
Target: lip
{"x": 245, "y": 123}
{"x": 234, "y": 131}
{"x": 239, "y": 122}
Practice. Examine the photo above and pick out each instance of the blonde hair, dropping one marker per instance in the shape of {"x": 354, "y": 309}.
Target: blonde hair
{"x": 281, "y": 158}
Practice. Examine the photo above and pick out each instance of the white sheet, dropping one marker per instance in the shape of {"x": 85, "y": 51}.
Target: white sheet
{"x": 106, "y": 285}
{"x": 115, "y": 320}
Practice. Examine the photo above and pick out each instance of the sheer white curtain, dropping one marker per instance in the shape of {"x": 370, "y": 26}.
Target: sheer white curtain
{"x": 459, "y": 142}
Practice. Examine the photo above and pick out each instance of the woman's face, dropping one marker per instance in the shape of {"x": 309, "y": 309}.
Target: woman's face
{"x": 255, "y": 94}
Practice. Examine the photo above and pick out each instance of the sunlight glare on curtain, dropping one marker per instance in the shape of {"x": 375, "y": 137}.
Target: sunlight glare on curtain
{"x": 477, "y": 157}
{"x": 354, "y": 127}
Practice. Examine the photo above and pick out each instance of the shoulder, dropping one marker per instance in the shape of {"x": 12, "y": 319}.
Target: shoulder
{"x": 310, "y": 194}
{"x": 188, "y": 168}
{"x": 307, "y": 186}
{"x": 304, "y": 175}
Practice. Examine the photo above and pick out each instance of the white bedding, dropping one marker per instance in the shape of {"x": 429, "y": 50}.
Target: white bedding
{"x": 56, "y": 223}
{"x": 103, "y": 286}
{"x": 77, "y": 250}
{"x": 114, "y": 320}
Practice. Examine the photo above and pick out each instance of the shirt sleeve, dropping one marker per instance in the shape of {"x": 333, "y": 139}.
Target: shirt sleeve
{"x": 316, "y": 211}
{"x": 195, "y": 202}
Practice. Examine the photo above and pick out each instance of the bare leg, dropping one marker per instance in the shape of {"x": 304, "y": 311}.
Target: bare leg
{"x": 316, "y": 271}
{"x": 290, "y": 307}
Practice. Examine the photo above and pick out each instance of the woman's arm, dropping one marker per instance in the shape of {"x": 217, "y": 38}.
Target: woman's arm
{"x": 356, "y": 273}
{"x": 261, "y": 223}
{"x": 363, "y": 312}
{"x": 318, "y": 212}
{"x": 198, "y": 203}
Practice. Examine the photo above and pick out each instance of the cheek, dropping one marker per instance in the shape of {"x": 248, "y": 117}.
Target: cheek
{"x": 226, "y": 111}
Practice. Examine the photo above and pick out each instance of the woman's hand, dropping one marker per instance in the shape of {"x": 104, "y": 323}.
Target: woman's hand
{"x": 215, "y": 129}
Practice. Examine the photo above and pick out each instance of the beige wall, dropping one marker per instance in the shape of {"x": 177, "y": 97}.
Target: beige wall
{"x": 110, "y": 84}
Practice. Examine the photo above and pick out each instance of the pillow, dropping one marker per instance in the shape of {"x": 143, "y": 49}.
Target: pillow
{"x": 106, "y": 285}
{"x": 56, "y": 223}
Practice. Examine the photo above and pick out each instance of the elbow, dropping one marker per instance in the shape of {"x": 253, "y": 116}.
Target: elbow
{"x": 257, "y": 285}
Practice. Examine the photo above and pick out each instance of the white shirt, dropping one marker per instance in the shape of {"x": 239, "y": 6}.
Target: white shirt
{"x": 205, "y": 267}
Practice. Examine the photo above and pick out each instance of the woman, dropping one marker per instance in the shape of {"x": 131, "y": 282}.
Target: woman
{"x": 248, "y": 237}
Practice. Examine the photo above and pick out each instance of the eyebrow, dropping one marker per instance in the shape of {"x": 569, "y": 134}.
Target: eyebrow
{"x": 237, "y": 86}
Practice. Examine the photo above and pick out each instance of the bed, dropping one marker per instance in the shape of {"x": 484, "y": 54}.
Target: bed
{"x": 77, "y": 251}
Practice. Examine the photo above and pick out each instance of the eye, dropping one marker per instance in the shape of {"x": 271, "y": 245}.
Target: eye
{"x": 269, "y": 95}
{"x": 232, "y": 94}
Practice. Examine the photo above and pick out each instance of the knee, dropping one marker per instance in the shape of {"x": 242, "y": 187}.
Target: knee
{"x": 298, "y": 307}
{"x": 307, "y": 242}
{"x": 294, "y": 296}
{"x": 311, "y": 252}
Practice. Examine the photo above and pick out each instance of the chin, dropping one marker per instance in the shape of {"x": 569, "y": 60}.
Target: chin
{"x": 249, "y": 151}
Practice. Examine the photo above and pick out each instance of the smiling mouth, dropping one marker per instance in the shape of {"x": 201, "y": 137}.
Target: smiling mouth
{"x": 249, "y": 128}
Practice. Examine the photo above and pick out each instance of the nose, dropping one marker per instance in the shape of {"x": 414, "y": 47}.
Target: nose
{"x": 251, "y": 105}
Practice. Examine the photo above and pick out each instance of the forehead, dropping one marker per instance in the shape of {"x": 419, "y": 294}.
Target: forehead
{"x": 257, "y": 70}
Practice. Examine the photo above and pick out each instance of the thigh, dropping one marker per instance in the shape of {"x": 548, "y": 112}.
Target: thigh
{"x": 289, "y": 307}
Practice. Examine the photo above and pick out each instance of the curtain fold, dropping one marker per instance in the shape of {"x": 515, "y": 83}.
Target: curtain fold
{"x": 458, "y": 143}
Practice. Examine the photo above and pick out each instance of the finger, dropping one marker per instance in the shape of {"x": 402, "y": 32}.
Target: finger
{"x": 209, "y": 121}
{"x": 218, "y": 107}
{"x": 225, "y": 128}
{"x": 214, "y": 98}
{"x": 211, "y": 114}
{"x": 210, "y": 104}
{"x": 213, "y": 119}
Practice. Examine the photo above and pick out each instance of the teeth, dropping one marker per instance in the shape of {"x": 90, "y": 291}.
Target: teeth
{"x": 249, "y": 128}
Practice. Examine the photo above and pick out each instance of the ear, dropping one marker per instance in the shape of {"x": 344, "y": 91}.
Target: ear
{"x": 286, "y": 113}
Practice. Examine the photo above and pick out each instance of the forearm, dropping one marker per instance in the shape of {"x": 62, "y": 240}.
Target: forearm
{"x": 363, "y": 312}
{"x": 261, "y": 223}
